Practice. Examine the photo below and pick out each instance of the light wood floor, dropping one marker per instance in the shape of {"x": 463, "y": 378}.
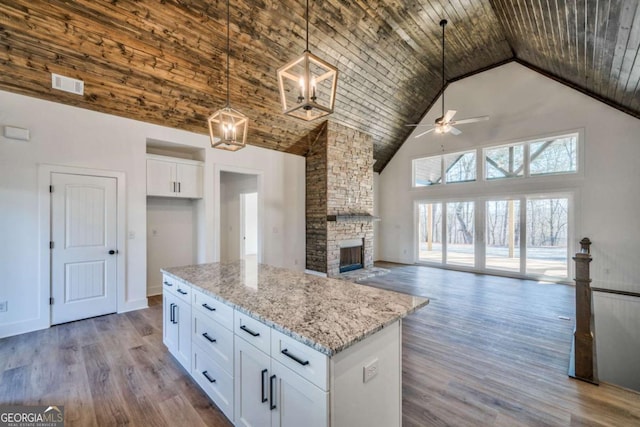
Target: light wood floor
{"x": 487, "y": 351}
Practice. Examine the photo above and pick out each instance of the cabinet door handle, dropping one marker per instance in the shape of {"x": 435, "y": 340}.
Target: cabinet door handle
{"x": 171, "y": 312}
{"x": 176, "y": 314}
{"x": 174, "y": 186}
{"x": 178, "y": 187}
{"x": 249, "y": 331}
{"x": 296, "y": 358}
{"x": 208, "y": 337}
{"x": 206, "y": 375}
{"x": 264, "y": 385}
{"x": 208, "y": 307}
{"x": 272, "y": 387}
{"x": 168, "y": 283}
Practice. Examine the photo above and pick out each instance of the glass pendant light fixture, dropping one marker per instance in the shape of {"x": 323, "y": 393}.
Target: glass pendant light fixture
{"x": 307, "y": 85}
{"x": 228, "y": 127}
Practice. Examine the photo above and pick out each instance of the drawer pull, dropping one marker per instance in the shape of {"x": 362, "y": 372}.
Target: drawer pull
{"x": 168, "y": 283}
{"x": 297, "y": 359}
{"x": 249, "y": 331}
{"x": 206, "y": 375}
{"x": 208, "y": 307}
{"x": 264, "y": 381}
{"x": 180, "y": 291}
{"x": 272, "y": 388}
{"x": 206, "y": 335}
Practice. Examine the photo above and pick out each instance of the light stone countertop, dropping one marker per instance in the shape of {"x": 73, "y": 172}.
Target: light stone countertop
{"x": 326, "y": 314}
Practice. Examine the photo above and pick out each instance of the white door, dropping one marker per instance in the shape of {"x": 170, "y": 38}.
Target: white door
{"x": 249, "y": 222}
{"x": 83, "y": 256}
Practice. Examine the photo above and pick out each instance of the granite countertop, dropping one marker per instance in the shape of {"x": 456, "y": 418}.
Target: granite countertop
{"x": 326, "y": 314}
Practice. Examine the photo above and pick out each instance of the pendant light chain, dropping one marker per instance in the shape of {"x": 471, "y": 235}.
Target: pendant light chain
{"x": 307, "y": 19}
{"x": 228, "y": 20}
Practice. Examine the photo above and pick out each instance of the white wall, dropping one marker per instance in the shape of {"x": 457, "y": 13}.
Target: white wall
{"x": 171, "y": 242}
{"x": 522, "y": 105}
{"x": 64, "y": 135}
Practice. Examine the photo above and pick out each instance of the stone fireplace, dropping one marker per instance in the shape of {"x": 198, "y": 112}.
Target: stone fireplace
{"x": 339, "y": 200}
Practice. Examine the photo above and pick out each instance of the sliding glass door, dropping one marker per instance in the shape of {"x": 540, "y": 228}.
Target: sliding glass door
{"x": 525, "y": 235}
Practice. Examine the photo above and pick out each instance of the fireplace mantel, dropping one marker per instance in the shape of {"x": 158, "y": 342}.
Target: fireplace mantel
{"x": 359, "y": 217}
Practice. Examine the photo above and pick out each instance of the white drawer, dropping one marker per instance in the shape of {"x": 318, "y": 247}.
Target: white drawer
{"x": 300, "y": 358}
{"x": 177, "y": 288}
{"x": 214, "y": 380}
{"x": 213, "y": 308}
{"x": 214, "y": 339}
{"x": 252, "y": 331}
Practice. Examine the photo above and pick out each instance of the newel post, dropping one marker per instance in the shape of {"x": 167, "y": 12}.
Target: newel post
{"x": 584, "y": 342}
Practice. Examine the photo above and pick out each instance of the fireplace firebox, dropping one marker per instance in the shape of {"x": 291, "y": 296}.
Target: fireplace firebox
{"x": 351, "y": 256}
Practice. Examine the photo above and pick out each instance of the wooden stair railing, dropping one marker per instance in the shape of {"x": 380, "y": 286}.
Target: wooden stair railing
{"x": 583, "y": 352}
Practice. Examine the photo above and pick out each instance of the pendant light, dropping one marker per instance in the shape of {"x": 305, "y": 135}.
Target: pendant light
{"x": 228, "y": 127}
{"x": 307, "y": 84}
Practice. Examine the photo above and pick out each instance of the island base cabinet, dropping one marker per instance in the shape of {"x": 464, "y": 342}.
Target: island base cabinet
{"x": 252, "y": 406}
{"x": 214, "y": 380}
{"x": 177, "y": 328}
{"x": 295, "y": 401}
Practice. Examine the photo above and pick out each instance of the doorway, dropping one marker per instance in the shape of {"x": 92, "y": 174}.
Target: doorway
{"x": 239, "y": 215}
{"x": 84, "y": 246}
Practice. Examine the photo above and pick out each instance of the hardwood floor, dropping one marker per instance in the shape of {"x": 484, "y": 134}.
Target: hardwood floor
{"x": 487, "y": 351}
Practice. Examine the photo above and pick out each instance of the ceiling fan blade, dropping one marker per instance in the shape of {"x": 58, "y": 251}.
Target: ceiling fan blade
{"x": 455, "y": 131}
{"x": 424, "y": 133}
{"x": 448, "y": 116}
{"x": 471, "y": 120}
{"x": 419, "y": 124}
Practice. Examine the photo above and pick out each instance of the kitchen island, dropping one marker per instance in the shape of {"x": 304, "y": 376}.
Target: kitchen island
{"x": 277, "y": 347}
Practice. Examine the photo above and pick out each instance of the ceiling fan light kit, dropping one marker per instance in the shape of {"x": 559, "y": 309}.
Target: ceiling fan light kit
{"x": 444, "y": 123}
{"x": 307, "y": 84}
{"x": 228, "y": 127}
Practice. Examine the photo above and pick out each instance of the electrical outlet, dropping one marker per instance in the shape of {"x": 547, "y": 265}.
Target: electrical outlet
{"x": 370, "y": 370}
{"x": 4, "y": 306}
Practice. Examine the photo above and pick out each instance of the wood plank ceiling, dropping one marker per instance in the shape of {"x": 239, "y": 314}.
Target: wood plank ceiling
{"x": 163, "y": 61}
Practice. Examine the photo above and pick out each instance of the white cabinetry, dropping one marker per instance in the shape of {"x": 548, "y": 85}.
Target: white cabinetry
{"x": 268, "y": 393}
{"x": 177, "y": 320}
{"x": 174, "y": 177}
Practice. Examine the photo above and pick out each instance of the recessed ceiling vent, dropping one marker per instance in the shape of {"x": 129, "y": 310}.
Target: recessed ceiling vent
{"x": 67, "y": 84}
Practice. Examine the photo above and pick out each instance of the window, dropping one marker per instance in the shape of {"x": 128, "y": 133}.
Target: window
{"x": 504, "y": 162}
{"x": 558, "y": 155}
{"x": 502, "y": 235}
{"x": 430, "y": 232}
{"x": 427, "y": 171}
{"x": 458, "y": 167}
{"x": 460, "y": 248}
{"x": 546, "y": 236}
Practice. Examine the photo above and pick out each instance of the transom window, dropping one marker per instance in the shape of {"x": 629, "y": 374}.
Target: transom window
{"x": 546, "y": 156}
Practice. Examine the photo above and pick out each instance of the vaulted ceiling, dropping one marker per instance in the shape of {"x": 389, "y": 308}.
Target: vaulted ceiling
{"x": 163, "y": 61}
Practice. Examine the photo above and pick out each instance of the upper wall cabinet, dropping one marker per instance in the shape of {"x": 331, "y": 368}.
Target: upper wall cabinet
{"x": 174, "y": 177}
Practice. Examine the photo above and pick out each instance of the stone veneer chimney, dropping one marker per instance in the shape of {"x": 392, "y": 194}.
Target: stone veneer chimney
{"x": 339, "y": 196}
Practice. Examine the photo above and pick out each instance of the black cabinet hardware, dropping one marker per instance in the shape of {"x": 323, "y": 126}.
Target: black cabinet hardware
{"x": 178, "y": 187}
{"x": 171, "y": 312}
{"x": 264, "y": 385}
{"x": 272, "y": 388}
{"x": 297, "y": 359}
{"x": 208, "y": 307}
{"x": 206, "y": 375}
{"x": 249, "y": 331}
{"x": 206, "y": 335}
{"x": 180, "y": 291}
{"x": 168, "y": 283}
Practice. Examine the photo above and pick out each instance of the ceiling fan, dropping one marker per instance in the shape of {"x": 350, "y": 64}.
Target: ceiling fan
{"x": 445, "y": 123}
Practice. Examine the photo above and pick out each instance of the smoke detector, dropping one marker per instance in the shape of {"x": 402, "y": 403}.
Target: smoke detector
{"x": 67, "y": 84}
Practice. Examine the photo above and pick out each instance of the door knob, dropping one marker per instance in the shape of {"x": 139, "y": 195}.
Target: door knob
{"x": 112, "y": 252}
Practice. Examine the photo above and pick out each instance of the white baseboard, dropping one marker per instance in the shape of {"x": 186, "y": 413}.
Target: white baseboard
{"x": 315, "y": 273}
{"x": 17, "y": 328}
{"x": 134, "y": 305}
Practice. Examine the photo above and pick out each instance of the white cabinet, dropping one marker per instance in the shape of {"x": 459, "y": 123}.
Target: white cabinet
{"x": 177, "y": 322}
{"x": 266, "y": 392}
{"x": 173, "y": 177}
